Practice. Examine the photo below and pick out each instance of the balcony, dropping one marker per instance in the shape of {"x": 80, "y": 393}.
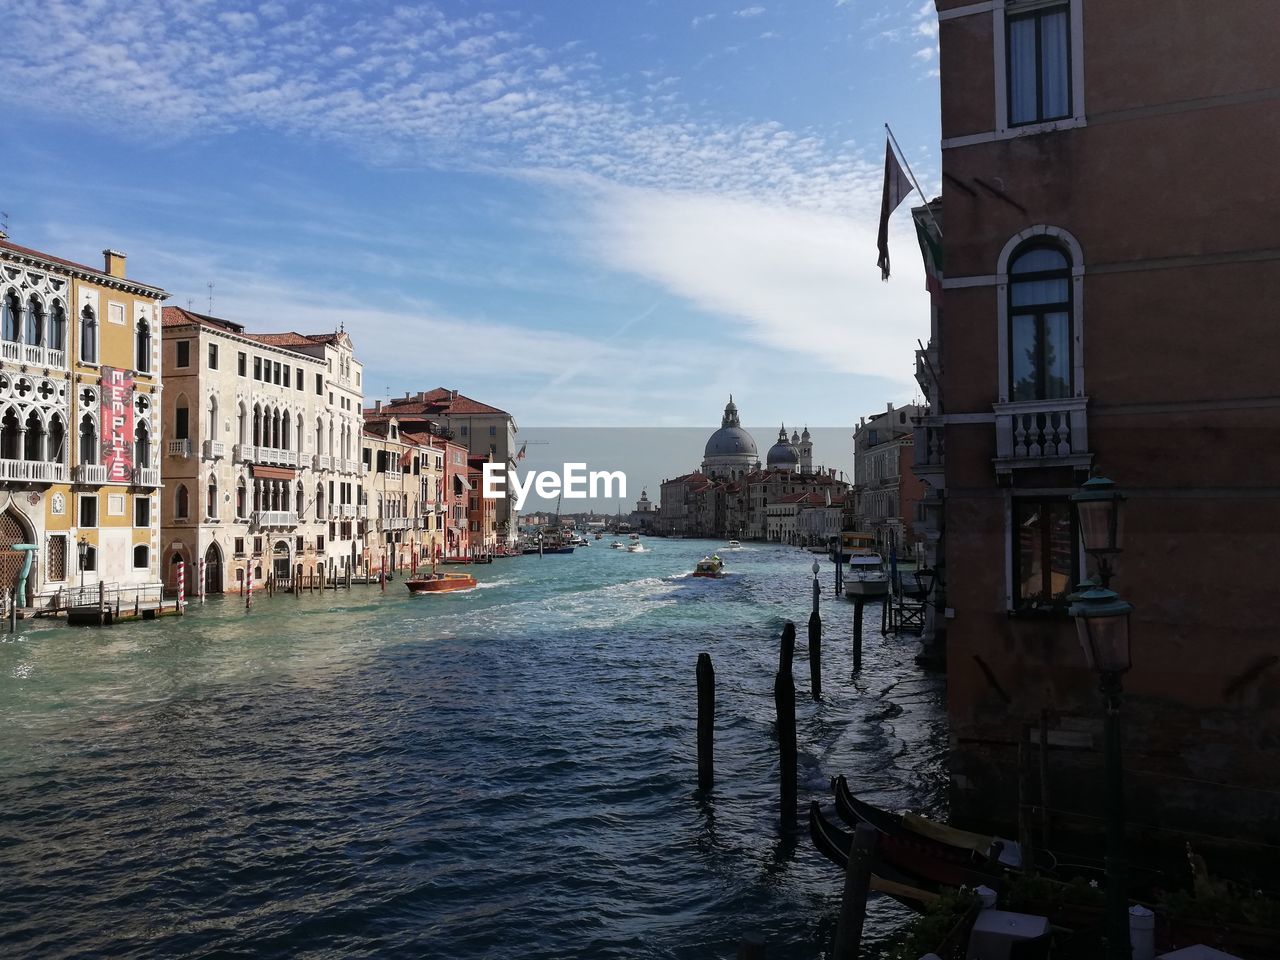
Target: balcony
{"x": 275, "y": 518}
{"x": 247, "y": 453}
{"x": 33, "y": 471}
{"x": 146, "y": 476}
{"x": 397, "y": 523}
{"x": 214, "y": 449}
{"x": 1042, "y": 433}
{"x": 89, "y": 473}
{"x": 32, "y": 356}
{"x": 322, "y": 461}
{"x": 929, "y": 444}
{"x": 346, "y": 511}
{"x": 179, "y": 448}
{"x": 347, "y": 466}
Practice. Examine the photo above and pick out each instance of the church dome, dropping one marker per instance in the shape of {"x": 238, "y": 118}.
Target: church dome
{"x": 731, "y": 440}
{"x": 782, "y": 454}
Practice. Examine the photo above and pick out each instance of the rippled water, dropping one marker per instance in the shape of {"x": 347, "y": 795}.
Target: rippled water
{"x": 507, "y": 772}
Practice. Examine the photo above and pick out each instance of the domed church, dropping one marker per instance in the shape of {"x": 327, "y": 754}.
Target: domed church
{"x": 730, "y": 453}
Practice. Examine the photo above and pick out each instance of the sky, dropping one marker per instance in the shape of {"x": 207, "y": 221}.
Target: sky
{"x": 586, "y": 213}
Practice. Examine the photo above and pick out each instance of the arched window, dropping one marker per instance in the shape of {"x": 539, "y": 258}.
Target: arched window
{"x": 33, "y": 323}
{"x": 34, "y": 447}
{"x": 57, "y": 437}
{"x": 242, "y": 504}
{"x": 181, "y": 502}
{"x": 142, "y": 445}
{"x": 57, "y": 327}
{"x": 1040, "y": 323}
{"x": 144, "y": 347}
{"x": 319, "y": 501}
{"x": 211, "y": 498}
{"x": 181, "y": 419}
{"x": 257, "y": 426}
{"x": 212, "y": 432}
{"x": 299, "y": 498}
{"x": 141, "y": 556}
{"x": 88, "y": 336}
{"x": 242, "y": 423}
{"x": 88, "y": 440}
{"x": 9, "y": 316}
{"x": 285, "y": 491}
{"x": 11, "y": 435}
{"x": 285, "y": 425}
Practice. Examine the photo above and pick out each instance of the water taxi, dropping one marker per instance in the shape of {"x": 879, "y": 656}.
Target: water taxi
{"x": 711, "y": 566}
{"x": 636, "y": 548}
{"x": 866, "y": 577}
{"x": 634, "y": 536}
{"x": 441, "y": 582}
{"x": 734, "y": 545}
{"x": 617, "y": 544}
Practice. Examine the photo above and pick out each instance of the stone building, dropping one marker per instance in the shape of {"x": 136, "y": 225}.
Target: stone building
{"x": 262, "y": 464}
{"x": 1104, "y": 303}
{"x": 80, "y": 394}
{"x": 404, "y": 513}
{"x": 886, "y": 491}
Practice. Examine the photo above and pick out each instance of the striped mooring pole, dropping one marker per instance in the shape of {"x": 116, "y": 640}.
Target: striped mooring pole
{"x": 200, "y": 585}
{"x": 248, "y": 590}
{"x": 182, "y": 587}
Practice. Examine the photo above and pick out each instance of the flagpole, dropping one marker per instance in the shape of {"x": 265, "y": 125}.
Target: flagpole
{"x": 914, "y": 181}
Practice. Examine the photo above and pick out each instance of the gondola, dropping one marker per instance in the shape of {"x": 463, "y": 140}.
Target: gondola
{"x": 834, "y": 844}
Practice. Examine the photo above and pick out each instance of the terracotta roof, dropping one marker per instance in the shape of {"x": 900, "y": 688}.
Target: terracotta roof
{"x": 98, "y": 272}
{"x": 441, "y": 402}
{"x": 293, "y": 339}
{"x": 178, "y": 317}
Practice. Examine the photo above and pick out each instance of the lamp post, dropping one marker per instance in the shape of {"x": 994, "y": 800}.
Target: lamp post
{"x": 82, "y": 549}
{"x": 1102, "y": 624}
{"x": 816, "y": 589}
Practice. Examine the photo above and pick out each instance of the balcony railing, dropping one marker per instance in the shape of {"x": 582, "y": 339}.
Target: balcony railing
{"x": 248, "y": 453}
{"x": 1042, "y": 433}
{"x": 179, "y": 448}
{"x": 95, "y": 473}
{"x": 346, "y": 510}
{"x": 33, "y": 471}
{"x": 349, "y": 466}
{"x": 275, "y": 518}
{"x": 146, "y": 476}
{"x": 397, "y": 523}
{"x": 322, "y": 461}
{"x": 214, "y": 449}
{"x": 33, "y": 356}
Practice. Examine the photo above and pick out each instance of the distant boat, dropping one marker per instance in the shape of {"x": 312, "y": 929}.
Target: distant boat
{"x": 617, "y": 545}
{"x": 634, "y": 536}
{"x": 711, "y": 566}
{"x": 734, "y": 545}
{"x": 440, "y": 582}
{"x": 866, "y": 576}
{"x": 636, "y": 548}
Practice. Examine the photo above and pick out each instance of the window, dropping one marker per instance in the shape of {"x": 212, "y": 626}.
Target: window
{"x": 58, "y": 328}
{"x": 211, "y": 499}
{"x": 143, "y": 361}
{"x": 239, "y": 546}
{"x": 257, "y": 368}
{"x": 1040, "y": 324}
{"x": 181, "y": 420}
{"x": 184, "y": 353}
{"x": 181, "y": 503}
{"x": 89, "y": 561}
{"x": 88, "y": 440}
{"x": 33, "y": 323}
{"x": 278, "y": 376}
{"x": 1038, "y": 51}
{"x": 88, "y": 510}
{"x": 1044, "y": 554}
{"x": 88, "y": 336}
{"x": 213, "y": 356}
{"x": 319, "y": 385}
{"x": 141, "y": 557}
{"x": 142, "y": 446}
{"x": 242, "y": 364}
{"x": 56, "y": 562}
{"x": 493, "y": 431}
{"x": 298, "y": 379}
{"x": 142, "y": 512}
{"x": 298, "y": 544}
{"x": 9, "y": 313}
{"x": 320, "y": 543}
{"x": 464, "y": 429}
{"x": 287, "y": 370}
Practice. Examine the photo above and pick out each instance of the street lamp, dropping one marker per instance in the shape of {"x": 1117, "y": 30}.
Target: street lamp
{"x": 1102, "y": 624}
{"x": 815, "y": 568}
{"x": 82, "y": 549}
{"x": 1100, "y": 518}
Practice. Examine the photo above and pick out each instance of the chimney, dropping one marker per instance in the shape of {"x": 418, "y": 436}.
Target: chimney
{"x": 453, "y": 394}
{"x": 377, "y": 406}
{"x": 113, "y": 263}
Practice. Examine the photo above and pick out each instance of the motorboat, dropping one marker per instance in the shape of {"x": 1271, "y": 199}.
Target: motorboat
{"x": 633, "y": 536}
{"x": 636, "y": 548}
{"x": 734, "y": 545}
{"x": 866, "y": 576}
{"x": 617, "y": 545}
{"x": 440, "y": 582}
{"x": 711, "y": 566}
{"x": 851, "y": 543}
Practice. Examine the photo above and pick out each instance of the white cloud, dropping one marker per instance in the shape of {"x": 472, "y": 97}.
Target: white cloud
{"x": 748, "y": 12}
{"x": 705, "y": 18}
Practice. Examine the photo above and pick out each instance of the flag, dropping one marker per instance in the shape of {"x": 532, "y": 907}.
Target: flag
{"x": 896, "y": 189}
{"x": 828, "y": 498}
{"x": 520, "y": 455}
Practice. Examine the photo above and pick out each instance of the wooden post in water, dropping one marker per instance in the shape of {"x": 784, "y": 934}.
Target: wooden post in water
{"x": 857, "y": 633}
{"x": 706, "y": 720}
{"x": 853, "y": 903}
{"x": 784, "y": 698}
{"x": 815, "y": 655}
{"x": 787, "y": 648}
{"x": 102, "y": 603}
{"x": 13, "y": 609}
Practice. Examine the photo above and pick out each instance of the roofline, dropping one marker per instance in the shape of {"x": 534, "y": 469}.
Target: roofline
{"x": 238, "y": 337}
{"x": 46, "y": 261}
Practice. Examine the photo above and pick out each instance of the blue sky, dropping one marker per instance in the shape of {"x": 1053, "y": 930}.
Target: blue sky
{"x": 587, "y": 213}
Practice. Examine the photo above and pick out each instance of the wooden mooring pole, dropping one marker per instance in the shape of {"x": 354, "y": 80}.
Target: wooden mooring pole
{"x": 857, "y": 633}
{"x": 815, "y": 642}
{"x": 706, "y": 720}
{"x": 784, "y": 698}
{"x": 853, "y": 903}
{"x": 787, "y": 648}
{"x": 751, "y": 946}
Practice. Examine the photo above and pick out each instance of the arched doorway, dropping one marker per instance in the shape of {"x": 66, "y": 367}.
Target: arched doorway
{"x": 13, "y": 529}
{"x": 172, "y": 579}
{"x": 280, "y": 565}
{"x": 213, "y": 569}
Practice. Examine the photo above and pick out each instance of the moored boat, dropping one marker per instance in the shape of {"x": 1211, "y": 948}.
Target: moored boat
{"x": 866, "y": 576}
{"x": 711, "y": 566}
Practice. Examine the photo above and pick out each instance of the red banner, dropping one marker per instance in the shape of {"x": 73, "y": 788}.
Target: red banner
{"x": 117, "y": 424}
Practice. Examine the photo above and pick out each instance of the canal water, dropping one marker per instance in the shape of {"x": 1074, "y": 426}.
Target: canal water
{"x": 506, "y": 772}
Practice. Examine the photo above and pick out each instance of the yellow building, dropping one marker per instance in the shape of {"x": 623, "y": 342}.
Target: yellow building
{"x": 79, "y": 426}
{"x": 404, "y": 478}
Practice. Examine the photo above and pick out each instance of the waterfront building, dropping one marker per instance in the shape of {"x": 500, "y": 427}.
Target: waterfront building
{"x": 644, "y": 517}
{"x": 80, "y": 392}
{"x": 485, "y": 431}
{"x": 1103, "y": 302}
{"x": 482, "y": 513}
{"x": 262, "y": 464}
{"x": 402, "y": 511}
{"x": 730, "y": 496}
{"x": 886, "y": 491}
